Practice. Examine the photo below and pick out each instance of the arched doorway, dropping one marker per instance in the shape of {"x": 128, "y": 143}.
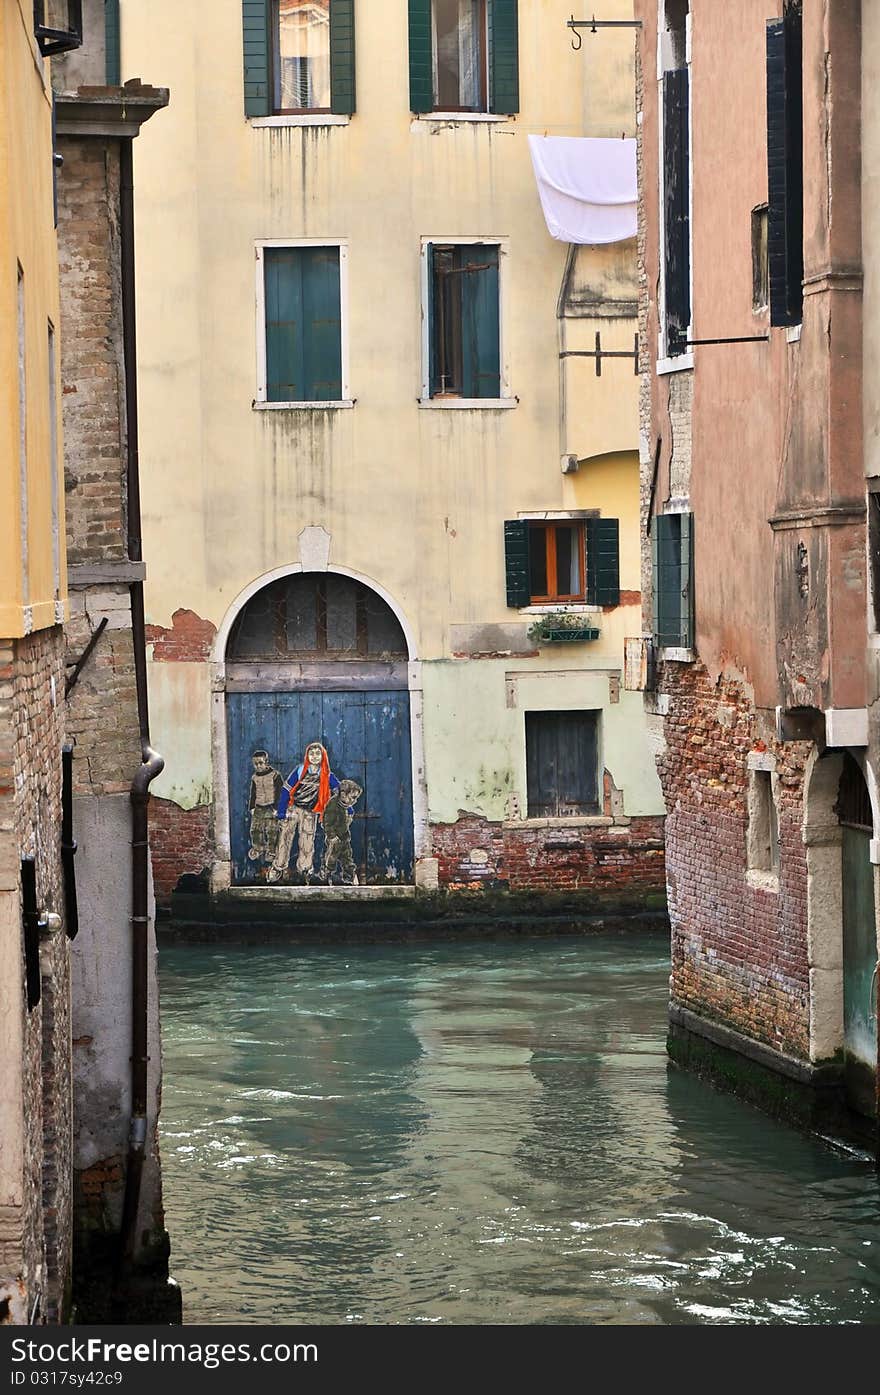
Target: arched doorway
{"x": 859, "y": 939}
{"x": 318, "y": 729}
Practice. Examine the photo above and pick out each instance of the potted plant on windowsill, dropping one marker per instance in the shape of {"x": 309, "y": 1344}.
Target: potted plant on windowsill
{"x": 563, "y": 627}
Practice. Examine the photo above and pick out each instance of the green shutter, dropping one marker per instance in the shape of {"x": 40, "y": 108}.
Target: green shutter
{"x": 480, "y": 347}
{"x": 516, "y": 562}
{"x": 112, "y": 66}
{"x": 433, "y": 377}
{"x": 503, "y": 56}
{"x": 673, "y": 581}
{"x": 285, "y": 369}
{"x": 421, "y": 67}
{"x": 322, "y": 351}
{"x": 785, "y": 168}
{"x": 603, "y": 561}
{"x": 342, "y": 60}
{"x": 257, "y": 64}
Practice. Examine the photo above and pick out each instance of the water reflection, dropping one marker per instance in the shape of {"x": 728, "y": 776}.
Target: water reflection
{"x": 482, "y": 1133}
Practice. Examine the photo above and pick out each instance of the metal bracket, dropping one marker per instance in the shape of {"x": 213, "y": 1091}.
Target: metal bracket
{"x": 599, "y": 353}
{"x": 594, "y": 25}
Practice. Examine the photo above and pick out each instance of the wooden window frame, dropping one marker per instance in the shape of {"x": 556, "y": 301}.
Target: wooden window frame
{"x": 261, "y": 400}
{"x": 506, "y": 399}
{"x": 274, "y": 65}
{"x": 483, "y": 108}
{"x": 554, "y": 595}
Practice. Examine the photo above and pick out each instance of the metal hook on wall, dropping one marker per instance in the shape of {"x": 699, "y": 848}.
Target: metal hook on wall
{"x": 576, "y": 40}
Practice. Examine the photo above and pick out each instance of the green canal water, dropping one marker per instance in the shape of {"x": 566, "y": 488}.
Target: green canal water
{"x": 482, "y": 1133}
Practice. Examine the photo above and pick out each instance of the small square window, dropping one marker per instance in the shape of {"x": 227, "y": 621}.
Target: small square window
{"x": 760, "y": 263}
{"x": 301, "y": 56}
{"x": 464, "y": 336}
{"x": 301, "y": 334}
{"x": 459, "y": 48}
{"x": 562, "y": 764}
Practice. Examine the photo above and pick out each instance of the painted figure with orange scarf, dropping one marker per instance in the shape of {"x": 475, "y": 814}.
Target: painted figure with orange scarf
{"x": 304, "y": 797}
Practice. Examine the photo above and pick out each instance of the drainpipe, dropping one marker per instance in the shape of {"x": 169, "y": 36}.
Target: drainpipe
{"x": 151, "y": 762}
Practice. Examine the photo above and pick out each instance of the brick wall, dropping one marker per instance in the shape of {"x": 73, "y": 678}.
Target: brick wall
{"x": 571, "y": 856}
{"x": 35, "y": 1225}
{"x": 180, "y": 844}
{"x": 739, "y": 952}
{"x": 188, "y": 640}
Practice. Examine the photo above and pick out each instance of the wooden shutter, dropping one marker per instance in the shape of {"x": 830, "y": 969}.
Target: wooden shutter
{"x": 503, "y": 56}
{"x": 421, "y": 68}
{"x": 516, "y": 562}
{"x": 785, "y": 176}
{"x": 686, "y": 581}
{"x": 603, "y": 561}
{"x": 561, "y": 764}
{"x": 31, "y": 929}
{"x": 342, "y": 58}
{"x": 257, "y": 62}
{"x": 676, "y": 209}
{"x": 480, "y": 340}
{"x": 285, "y": 370}
{"x": 112, "y": 67}
{"x": 673, "y": 581}
{"x": 322, "y": 324}
{"x": 433, "y": 374}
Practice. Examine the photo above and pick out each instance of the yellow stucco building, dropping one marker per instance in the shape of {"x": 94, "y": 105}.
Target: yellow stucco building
{"x": 378, "y": 449}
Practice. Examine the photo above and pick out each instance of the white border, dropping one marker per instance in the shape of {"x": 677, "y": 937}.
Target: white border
{"x": 457, "y": 403}
{"x": 450, "y": 116}
{"x": 314, "y": 118}
{"x": 259, "y": 246}
{"x": 222, "y": 870}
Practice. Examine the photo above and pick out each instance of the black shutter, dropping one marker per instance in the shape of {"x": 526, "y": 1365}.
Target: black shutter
{"x": 503, "y": 56}
{"x": 255, "y": 34}
{"x": 676, "y": 209}
{"x": 421, "y": 70}
{"x": 342, "y": 58}
{"x": 30, "y": 923}
{"x": 516, "y": 562}
{"x": 785, "y": 172}
{"x": 603, "y": 561}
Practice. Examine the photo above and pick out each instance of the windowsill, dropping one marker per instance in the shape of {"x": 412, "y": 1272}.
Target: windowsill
{"x": 452, "y": 404}
{"x": 674, "y": 655}
{"x": 453, "y": 116}
{"x": 793, "y": 334}
{"x": 337, "y": 403}
{"x": 559, "y": 608}
{"x": 308, "y": 118}
{"x": 562, "y": 821}
{"x": 762, "y": 881}
{"x": 680, "y": 364}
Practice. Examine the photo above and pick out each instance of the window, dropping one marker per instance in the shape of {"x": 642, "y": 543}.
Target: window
{"x": 24, "y": 521}
{"x": 53, "y": 460}
{"x": 675, "y": 180}
{"x": 762, "y": 845}
{"x": 874, "y": 553}
{"x": 300, "y": 339}
{"x": 464, "y": 56}
{"x": 760, "y": 265}
{"x": 672, "y": 540}
{"x": 58, "y": 25}
{"x": 562, "y": 765}
{"x": 299, "y": 57}
{"x": 316, "y": 615}
{"x": 561, "y": 561}
{"x": 464, "y": 340}
{"x": 785, "y": 166}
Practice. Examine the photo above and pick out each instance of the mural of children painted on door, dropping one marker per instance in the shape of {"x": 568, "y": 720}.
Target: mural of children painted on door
{"x": 318, "y": 732}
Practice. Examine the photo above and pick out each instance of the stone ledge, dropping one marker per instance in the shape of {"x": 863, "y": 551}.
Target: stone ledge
{"x": 83, "y": 574}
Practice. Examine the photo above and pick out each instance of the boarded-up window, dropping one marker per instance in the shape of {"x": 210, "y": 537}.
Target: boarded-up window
{"x": 562, "y": 763}
{"x": 464, "y": 321}
{"x": 316, "y": 615}
{"x": 303, "y": 324}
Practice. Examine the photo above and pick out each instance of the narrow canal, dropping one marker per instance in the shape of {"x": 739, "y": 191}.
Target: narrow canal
{"x": 482, "y": 1133}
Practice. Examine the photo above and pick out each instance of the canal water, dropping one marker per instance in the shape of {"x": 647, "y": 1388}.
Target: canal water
{"x": 482, "y": 1133}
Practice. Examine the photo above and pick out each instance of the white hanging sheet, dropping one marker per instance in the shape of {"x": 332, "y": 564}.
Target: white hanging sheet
{"x": 588, "y": 187}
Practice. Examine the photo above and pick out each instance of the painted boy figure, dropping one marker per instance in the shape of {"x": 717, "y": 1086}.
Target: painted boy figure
{"x": 337, "y": 832}
{"x": 265, "y": 792}
{"x": 304, "y": 797}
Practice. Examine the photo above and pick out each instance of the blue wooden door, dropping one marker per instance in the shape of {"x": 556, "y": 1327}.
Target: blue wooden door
{"x": 859, "y": 971}
{"x": 367, "y": 739}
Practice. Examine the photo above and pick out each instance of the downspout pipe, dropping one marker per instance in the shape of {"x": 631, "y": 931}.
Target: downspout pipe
{"x": 151, "y": 761}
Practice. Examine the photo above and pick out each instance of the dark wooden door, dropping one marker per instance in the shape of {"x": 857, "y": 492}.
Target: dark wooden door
{"x": 562, "y": 763}
{"x": 859, "y": 971}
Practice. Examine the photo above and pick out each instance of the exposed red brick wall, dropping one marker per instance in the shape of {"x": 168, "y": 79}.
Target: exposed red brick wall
{"x": 474, "y": 852}
{"x": 180, "y": 843}
{"x": 739, "y": 954}
{"x": 190, "y": 638}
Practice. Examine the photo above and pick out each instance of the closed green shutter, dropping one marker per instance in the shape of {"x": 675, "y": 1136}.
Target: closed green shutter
{"x": 503, "y": 56}
{"x": 480, "y": 348}
{"x": 433, "y": 374}
{"x": 676, "y": 209}
{"x": 785, "y": 176}
{"x": 421, "y": 69}
{"x": 255, "y": 33}
{"x": 516, "y": 562}
{"x": 303, "y": 324}
{"x": 603, "y": 561}
{"x": 342, "y": 57}
{"x": 112, "y": 65}
{"x": 673, "y": 581}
